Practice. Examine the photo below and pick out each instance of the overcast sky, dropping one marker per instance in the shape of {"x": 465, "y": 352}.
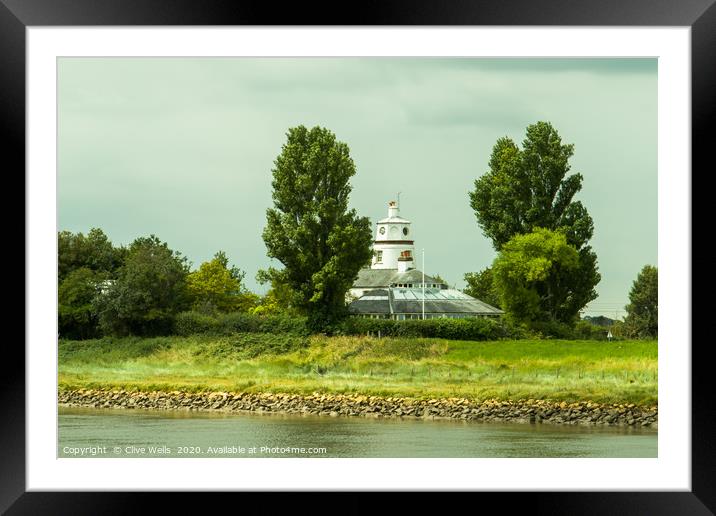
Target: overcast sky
{"x": 183, "y": 148}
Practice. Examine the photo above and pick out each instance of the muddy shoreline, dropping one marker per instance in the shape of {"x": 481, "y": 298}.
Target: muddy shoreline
{"x": 357, "y": 405}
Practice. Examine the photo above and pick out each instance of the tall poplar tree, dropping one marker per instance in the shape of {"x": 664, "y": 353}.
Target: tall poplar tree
{"x": 531, "y": 188}
{"x": 320, "y": 242}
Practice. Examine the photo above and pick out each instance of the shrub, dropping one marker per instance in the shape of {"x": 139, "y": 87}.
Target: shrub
{"x": 551, "y": 330}
{"x": 276, "y": 324}
{"x": 196, "y": 323}
{"x": 148, "y": 292}
{"x": 588, "y": 331}
{"x": 582, "y": 330}
{"x": 476, "y": 328}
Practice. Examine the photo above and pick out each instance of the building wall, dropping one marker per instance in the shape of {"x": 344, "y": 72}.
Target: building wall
{"x": 390, "y": 254}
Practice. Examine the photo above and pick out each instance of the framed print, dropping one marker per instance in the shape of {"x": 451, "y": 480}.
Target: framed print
{"x": 415, "y": 250}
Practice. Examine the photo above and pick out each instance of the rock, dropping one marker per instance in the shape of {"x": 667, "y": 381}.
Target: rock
{"x": 532, "y": 411}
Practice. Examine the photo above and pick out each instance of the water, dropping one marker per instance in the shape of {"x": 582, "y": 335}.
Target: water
{"x": 140, "y": 433}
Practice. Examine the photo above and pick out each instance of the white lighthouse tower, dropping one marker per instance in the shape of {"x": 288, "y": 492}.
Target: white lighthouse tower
{"x": 393, "y": 246}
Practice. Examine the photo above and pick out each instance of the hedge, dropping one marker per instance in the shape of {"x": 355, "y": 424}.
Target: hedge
{"x": 193, "y": 323}
{"x": 474, "y": 328}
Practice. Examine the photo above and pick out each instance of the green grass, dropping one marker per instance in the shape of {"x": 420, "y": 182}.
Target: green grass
{"x": 606, "y": 372}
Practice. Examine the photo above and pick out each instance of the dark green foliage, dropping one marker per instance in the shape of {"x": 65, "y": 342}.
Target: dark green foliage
{"x": 581, "y": 285}
{"x": 530, "y": 188}
{"x": 149, "y": 291}
{"x": 642, "y": 318}
{"x": 533, "y": 274}
{"x": 310, "y": 230}
{"x": 222, "y": 325}
{"x": 76, "y": 316}
{"x": 83, "y": 263}
{"x": 599, "y": 320}
{"x": 439, "y": 279}
{"x": 93, "y": 251}
{"x": 234, "y": 271}
{"x": 582, "y": 330}
{"x": 588, "y": 331}
{"x": 480, "y": 285}
{"x": 474, "y": 328}
{"x": 195, "y": 323}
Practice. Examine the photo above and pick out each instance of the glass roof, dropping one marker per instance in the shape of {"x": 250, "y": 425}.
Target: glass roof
{"x": 431, "y": 294}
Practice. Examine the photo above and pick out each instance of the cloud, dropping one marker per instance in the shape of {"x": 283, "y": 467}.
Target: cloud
{"x": 184, "y": 147}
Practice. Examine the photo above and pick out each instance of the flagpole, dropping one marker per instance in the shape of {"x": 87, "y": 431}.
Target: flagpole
{"x": 423, "y": 283}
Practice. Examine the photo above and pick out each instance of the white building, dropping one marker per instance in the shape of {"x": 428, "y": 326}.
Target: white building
{"x": 393, "y": 262}
{"x": 393, "y": 246}
{"x": 393, "y": 288}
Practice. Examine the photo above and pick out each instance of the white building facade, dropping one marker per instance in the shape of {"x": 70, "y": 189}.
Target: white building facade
{"x": 393, "y": 247}
{"x": 392, "y": 288}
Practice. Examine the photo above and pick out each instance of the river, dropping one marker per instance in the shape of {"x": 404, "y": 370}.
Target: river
{"x": 143, "y": 433}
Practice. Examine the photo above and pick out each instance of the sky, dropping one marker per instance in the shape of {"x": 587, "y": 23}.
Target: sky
{"x": 183, "y": 148}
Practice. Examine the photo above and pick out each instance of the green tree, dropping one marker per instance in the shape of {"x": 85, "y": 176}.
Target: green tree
{"x": 280, "y": 298}
{"x": 234, "y": 271}
{"x": 310, "y": 230}
{"x": 93, "y": 251}
{"x": 149, "y": 291}
{"x": 530, "y": 188}
{"x": 642, "y": 319}
{"x": 76, "y": 317}
{"x": 532, "y": 273}
{"x": 83, "y": 263}
{"x": 439, "y": 279}
{"x": 480, "y": 285}
{"x": 217, "y": 287}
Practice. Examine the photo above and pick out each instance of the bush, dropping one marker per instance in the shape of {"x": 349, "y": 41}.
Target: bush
{"x": 147, "y": 293}
{"x": 551, "y": 330}
{"x": 588, "y": 331}
{"x": 471, "y": 329}
{"x": 476, "y": 328}
{"x": 582, "y": 330}
{"x": 196, "y": 323}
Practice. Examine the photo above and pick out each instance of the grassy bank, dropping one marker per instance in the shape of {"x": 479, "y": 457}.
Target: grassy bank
{"x": 604, "y": 372}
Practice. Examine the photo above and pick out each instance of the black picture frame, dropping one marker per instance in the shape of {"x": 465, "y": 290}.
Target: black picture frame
{"x": 699, "y": 15}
